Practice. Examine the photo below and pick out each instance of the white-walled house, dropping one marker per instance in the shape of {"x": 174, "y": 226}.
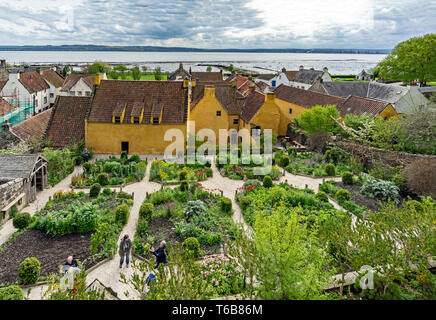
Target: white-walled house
{"x": 79, "y": 85}
{"x": 30, "y": 88}
{"x": 55, "y": 82}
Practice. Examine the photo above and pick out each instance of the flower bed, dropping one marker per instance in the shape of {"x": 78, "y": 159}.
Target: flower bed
{"x": 162, "y": 171}
{"x": 174, "y": 215}
{"x": 240, "y": 170}
{"x": 112, "y": 171}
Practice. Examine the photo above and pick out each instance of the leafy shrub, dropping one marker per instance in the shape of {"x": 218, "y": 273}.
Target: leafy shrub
{"x": 182, "y": 175}
{"x": 342, "y": 195}
{"x": 401, "y": 182}
{"x": 191, "y": 248}
{"x": 142, "y": 228}
{"x": 13, "y": 211}
{"x": 335, "y": 155}
{"x": 210, "y": 238}
{"x": 87, "y": 167}
{"x": 384, "y": 190}
{"x": 107, "y": 191}
{"x": 21, "y": 220}
{"x": 330, "y": 169}
{"x": 135, "y": 158}
{"x": 94, "y": 191}
{"x": 292, "y": 152}
{"x": 226, "y": 205}
{"x": 103, "y": 179}
{"x": 322, "y": 196}
{"x": 122, "y": 214}
{"x": 347, "y": 177}
{"x": 146, "y": 211}
{"x": 184, "y": 186}
{"x": 193, "y": 209}
{"x": 13, "y": 292}
{"x": 124, "y": 155}
{"x": 267, "y": 182}
{"x": 284, "y": 161}
{"x": 245, "y": 202}
{"x": 29, "y": 270}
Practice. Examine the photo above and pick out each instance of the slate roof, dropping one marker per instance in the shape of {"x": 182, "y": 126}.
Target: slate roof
{"x": 305, "y": 98}
{"x": 72, "y": 79}
{"x": 67, "y": 121}
{"x": 5, "y": 107}
{"x": 7, "y": 139}
{"x": 207, "y": 76}
{"x": 373, "y": 90}
{"x": 53, "y": 77}
{"x": 170, "y": 95}
{"x": 17, "y": 166}
{"x": 33, "y": 82}
{"x": 34, "y": 127}
{"x": 254, "y": 101}
{"x": 307, "y": 76}
{"x": 227, "y": 95}
{"x": 358, "y": 106}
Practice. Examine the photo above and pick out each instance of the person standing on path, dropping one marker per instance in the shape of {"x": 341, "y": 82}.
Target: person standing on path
{"x": 124, "y": 250}
{"x": 161, "y": 254}
{"x": 85, "y": 155}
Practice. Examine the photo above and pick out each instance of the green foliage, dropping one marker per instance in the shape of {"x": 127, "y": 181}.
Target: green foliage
{"x": 103, "y": 179}
{"x": 136, "y": 73}
{"x": 29, "y": 270}
{"x": 98, "y": 67}
{"x": 322, "y": 196}
{"x": 330, "y": 169}
{"x": 210, "y": 238}
{"x": 193, "y": 209}
{"x": 12, "y": 292}
{"x": 94, "y": 191}
{"x": 226, "y": 205}
{"x": 184, "y": 186}
{"x": 267, "y": 182}
{"x": 245, "y": 202}
{"x": 122, "y": 214}
{"x": 347, "y": 178}
{"x": 60, "y": 164}
{"x": 107, "y": 191}
{"x": 21, "y": 220}
{"x": 342, "y": 195}
{"x": 191, "y": 248}
{"x": 319, "y": 119}
{"x": 383, "y": 190}
{"x": 142, "y": 228}
{"x": 146, "y": 211}
{"x": 410, "y": 60}
{"x": 284, "y": 161}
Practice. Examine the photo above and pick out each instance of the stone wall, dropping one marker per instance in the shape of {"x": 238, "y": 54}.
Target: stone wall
{"x": 370, "y": 154}
{"x": 9, "y": 191}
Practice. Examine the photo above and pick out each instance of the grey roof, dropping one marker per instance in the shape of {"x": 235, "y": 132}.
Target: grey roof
{"x": 372, "y": 90}
{"x": 17, "y": 166}
{"x": 7, "y": 139}
{"x": 308, "y": 76}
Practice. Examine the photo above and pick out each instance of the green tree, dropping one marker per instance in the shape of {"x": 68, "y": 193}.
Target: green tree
{"x": 144, "y": 69}
{"x": 121, "y": 70}
{"x": 414, "y": 59}
{"x": 136, "y": 73}
{"x": 157, "y": 74}
{"x": 209, "y": 69}
{"x": 98, "y": 67}
{"x": 319, "y": 119}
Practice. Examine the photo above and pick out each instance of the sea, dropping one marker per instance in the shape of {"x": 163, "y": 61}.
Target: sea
{"x": 337, "y": 63}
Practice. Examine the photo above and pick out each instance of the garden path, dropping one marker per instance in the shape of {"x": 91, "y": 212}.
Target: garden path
{"x": 7, "y": 229}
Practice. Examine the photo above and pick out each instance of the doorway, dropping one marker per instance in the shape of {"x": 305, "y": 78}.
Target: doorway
{"x": 125, "y": 146}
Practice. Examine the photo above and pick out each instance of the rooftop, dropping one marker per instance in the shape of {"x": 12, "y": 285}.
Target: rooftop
{"x": 305, "y": 98}
{"x": 32, "y": 128}
{"x": 359, "y": 106}
{"x": 53, "y": 77}
{"x": 33, "y": 82}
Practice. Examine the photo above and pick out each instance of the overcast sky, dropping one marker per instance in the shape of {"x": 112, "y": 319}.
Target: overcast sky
{"x": 372, "y": 24}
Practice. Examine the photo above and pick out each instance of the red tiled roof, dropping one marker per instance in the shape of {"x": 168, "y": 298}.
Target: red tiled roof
{"x": 53, "y": 77}
{"x": 2, "y": 84}
{"x": 168, "y": 95}
{"x": 291, "y": 74}
{"x": 358, "y": 106}
{"x": 207, "y": 76}
{"x": 34, "y": 127}
{"x": 305, "y": 98}
{"x": 5, "y": 107}
{"x": 252, "y": 104}
{"x": 72, "y": 79}
{"x": 33, "y": 82}
{"x": 67, "y": 123}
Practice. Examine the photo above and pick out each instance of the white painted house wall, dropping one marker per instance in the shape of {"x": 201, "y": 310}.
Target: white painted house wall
{"x": 80, "y": 87}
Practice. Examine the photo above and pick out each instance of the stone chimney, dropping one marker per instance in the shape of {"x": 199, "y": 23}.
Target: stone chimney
{"x": 6, "y": 126}
{"x": 301, "y": 67}
{"x": 2, "y": 64}
{"x": 283, "y": 69}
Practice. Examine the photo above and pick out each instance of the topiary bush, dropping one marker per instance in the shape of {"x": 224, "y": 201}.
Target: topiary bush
{"x": 226, "y": 205}
{"x": 347, "y": 177}
{"x": 94, "y": 191}
{"x": 107, "y": 191}
{"x": 146, "y": 211}
{"x": 284, "y": 161}
{"x": 184, "y": 185}
{"x": 267, "y": 182}
{"x": 122, "y": 213}
{"x": 29, "y": 270}
{"x": 191, "y": 248}
{"x": 330, "y": 169}
{"x": 182, "y": 175}
{"x": 13, "y": 292}
{"x": 342, "y": 195}
{"x": 103, "y": 179}
{"x": 21, "y": 220}
{"x": 135, "y": 158}
{"x": 322, "y": 196}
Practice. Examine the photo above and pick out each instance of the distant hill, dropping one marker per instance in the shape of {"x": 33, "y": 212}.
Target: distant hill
{"x": 180, "y": 49}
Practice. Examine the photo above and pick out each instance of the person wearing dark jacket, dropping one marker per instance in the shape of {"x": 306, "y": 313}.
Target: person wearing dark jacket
{"x": 125, "y": 246}
{"x": 71, "y": 262}
{"x": 85, "y": 155}
{"x": 161, "y": 254}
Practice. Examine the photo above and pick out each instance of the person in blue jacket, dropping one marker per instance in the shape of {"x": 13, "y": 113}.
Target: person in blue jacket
{"x": 161, "y": 254}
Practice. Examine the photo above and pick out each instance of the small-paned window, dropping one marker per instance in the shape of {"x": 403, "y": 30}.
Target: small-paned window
{"x": 117, "y": 119}
{"x": 155, "y": 120}
{"x": 136, "y": 120}
{"x": 235, "y": 121}
{"x": 218, "y": 113}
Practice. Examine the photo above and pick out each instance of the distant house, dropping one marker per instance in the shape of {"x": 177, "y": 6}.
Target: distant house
{"x": 179, "y": 74}
{"x": 55, "y": 81}
{"x": 66, "y": 124}
{"x": 241, "y": 83}
{"x": 21, "y": 176}
{"x": 30, "y": 88}
{"x": 208, "y": 76}
{"x": 403, "y": 99}
{"x": 273, "y": 82}
{"x": 363, "y": 106}
{"x": 79, "y": 85}
{"x": 363, "y": 75}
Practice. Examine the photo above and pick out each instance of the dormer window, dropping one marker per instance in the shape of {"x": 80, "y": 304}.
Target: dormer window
{"x": 218, "y": 113}
{"x": 235, "y": 121}
{"x": 155, "y": 120}
{"x": 117, "y": 119}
